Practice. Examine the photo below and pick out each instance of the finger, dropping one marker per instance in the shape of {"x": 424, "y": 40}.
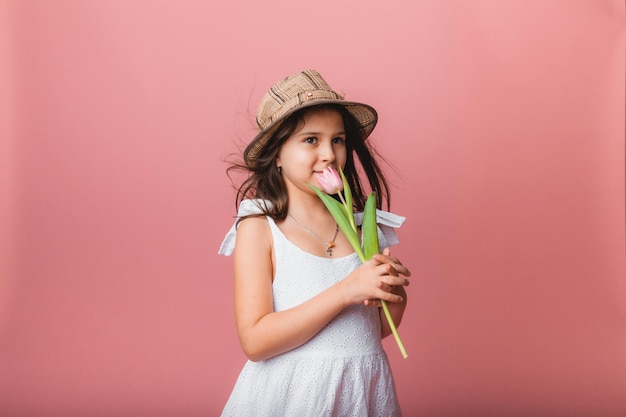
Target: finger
{"x": 390, "y": 270}
{"x": 393, "y": 281}
{"x": 390, "y": 260}
{"x": 372, "y": 303}
{"x": 399, "y": 281}
{"x": 384, "y": 286}
{"x": 391, "y": 297}
{"x": 392, "y": 293}
{"x": 387, "y": 252}
{"x": 386, "y": 258}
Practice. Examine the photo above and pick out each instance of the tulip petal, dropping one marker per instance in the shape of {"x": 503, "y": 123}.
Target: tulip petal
{"x": 329, "y": 181}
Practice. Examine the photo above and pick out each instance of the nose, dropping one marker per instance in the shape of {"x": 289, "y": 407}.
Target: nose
{"x": 327, "y": 152}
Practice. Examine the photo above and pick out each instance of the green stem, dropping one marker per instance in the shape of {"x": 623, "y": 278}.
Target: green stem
{"x": 348, "y": 211}
{"x": 392, "y": 325}
{"x": 394, "y": 330}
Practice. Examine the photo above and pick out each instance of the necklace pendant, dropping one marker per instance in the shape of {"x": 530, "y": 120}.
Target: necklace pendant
{"x": 329, "y": 247}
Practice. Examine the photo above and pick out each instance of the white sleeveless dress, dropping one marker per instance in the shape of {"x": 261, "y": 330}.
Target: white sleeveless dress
{"x": 343, "y": 370}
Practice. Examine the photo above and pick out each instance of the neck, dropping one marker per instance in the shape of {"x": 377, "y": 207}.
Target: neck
{"x": 314, "y": 212}
{"x": 306, "y": 202}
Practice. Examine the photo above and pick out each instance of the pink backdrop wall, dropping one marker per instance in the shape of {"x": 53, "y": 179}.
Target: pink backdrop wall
{"x": 504, "y": 120}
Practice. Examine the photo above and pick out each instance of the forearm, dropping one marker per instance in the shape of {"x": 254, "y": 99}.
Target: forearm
{"x": 279, "y": 332}
{"x": 396, "y": 310}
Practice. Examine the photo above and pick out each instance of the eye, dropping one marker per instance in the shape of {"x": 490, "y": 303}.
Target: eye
{"x": 339, "y": 140}
{"x": 311, "y": 139}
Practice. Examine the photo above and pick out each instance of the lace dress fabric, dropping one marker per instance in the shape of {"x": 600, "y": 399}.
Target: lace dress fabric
{"x": 342, "y": 371}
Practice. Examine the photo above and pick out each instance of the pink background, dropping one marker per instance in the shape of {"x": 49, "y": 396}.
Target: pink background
{"x": 504, "y": 121}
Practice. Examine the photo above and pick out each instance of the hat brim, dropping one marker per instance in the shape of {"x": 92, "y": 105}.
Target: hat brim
{"x": 365, "y": 115}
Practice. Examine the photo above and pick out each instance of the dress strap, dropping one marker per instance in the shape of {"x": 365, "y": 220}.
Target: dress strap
{"x": 387, "y": 223}
{"x": 246, "y": 208}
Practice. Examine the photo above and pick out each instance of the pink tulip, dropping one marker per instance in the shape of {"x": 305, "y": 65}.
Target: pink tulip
{"x": 330, "y": 181}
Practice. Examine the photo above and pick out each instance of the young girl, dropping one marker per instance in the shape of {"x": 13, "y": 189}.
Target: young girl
{"x": 306, "y": 308}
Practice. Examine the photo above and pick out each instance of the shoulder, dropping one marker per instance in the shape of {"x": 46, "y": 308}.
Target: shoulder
{"x": 253, "y": 234}
{"x": 248, "y": 209}
{"x": 254, "y": 251}
{"x": 252, "y": 224}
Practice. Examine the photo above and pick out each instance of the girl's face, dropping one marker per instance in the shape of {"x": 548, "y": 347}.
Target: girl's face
{"x": 318, "y": 143}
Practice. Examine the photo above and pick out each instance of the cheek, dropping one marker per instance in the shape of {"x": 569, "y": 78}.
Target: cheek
{"x": 302, "y": 155}
{"x": 294, "y": 160}
{"x": 285, "y": 155}
{"x": 341, "y": 158}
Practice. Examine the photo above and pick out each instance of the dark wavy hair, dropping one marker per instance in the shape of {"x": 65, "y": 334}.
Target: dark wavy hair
{"x": 264, "y": 180}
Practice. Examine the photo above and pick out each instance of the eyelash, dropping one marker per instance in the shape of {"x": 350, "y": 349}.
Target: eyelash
{"x": 312, "y": 139}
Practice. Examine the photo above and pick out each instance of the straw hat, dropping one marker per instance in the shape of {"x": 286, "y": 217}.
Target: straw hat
{"x": 304, "y": 89}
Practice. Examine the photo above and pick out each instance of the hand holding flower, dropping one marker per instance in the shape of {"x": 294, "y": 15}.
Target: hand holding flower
{"x": 373, "y": 281}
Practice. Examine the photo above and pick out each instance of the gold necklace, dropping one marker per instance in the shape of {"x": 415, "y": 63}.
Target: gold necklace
{"x": 328, "y": 244}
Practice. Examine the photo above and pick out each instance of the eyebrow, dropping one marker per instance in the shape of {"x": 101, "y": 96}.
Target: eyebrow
{"x": 308, "y": 133}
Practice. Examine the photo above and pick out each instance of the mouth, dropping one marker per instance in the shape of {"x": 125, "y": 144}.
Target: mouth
{"x": 323, "y": 169}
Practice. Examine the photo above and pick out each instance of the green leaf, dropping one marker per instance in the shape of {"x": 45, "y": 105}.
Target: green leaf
{"x": 370, "y": 228}
{"x": 342, "y": 218}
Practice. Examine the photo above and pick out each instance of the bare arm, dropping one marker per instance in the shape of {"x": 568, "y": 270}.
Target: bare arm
{"x": 396, "y": 310}
{"x": 264, "y": 333}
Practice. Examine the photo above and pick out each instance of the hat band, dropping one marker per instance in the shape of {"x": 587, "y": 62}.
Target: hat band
{"x": 297, "y": 101}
